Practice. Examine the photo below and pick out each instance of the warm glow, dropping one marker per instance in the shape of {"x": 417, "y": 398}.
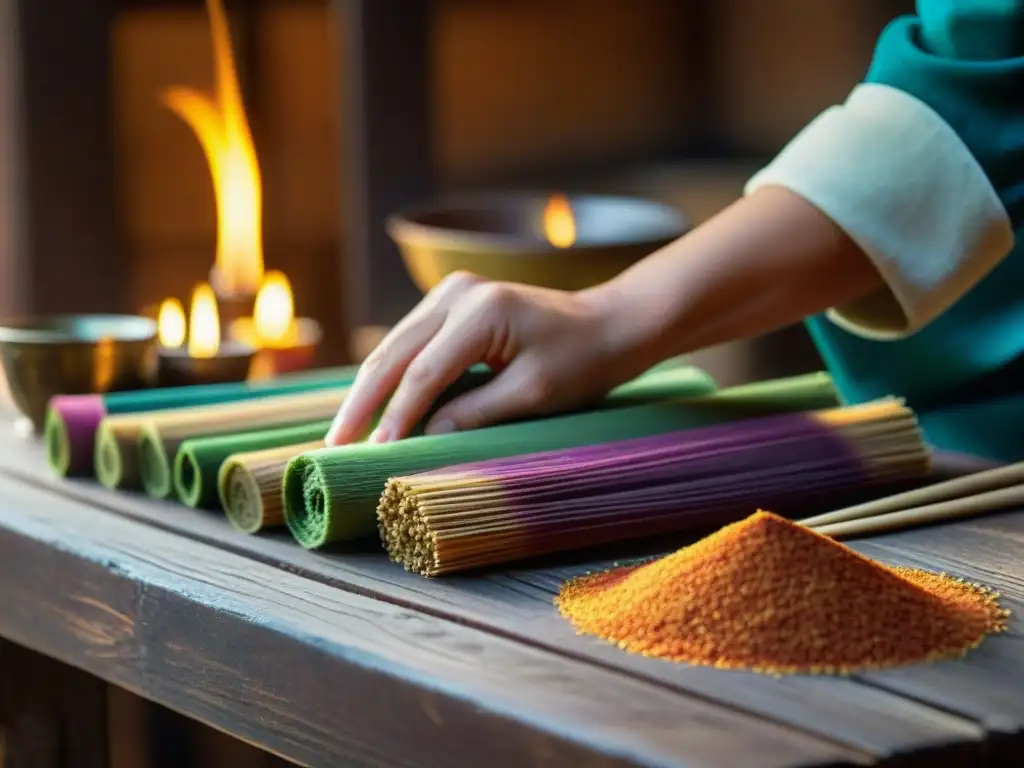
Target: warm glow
{"x": 559, "y": 222}
{"x": 223, "y": 131}
{"x": 274, "y": 312}
{"x": 203, "y": 323}
{"x": 171, "y": 324}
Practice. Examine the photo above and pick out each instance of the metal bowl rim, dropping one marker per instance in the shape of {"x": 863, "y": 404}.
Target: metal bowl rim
{"x": 404, "y": 228}
{"x": 143, "y": 329}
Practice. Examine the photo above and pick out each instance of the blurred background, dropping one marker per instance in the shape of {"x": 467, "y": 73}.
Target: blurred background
{"x": 360, "y": 107}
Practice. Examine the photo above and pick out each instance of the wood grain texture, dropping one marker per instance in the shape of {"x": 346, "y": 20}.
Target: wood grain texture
{"x": 324, "y": 676}
{"x": 861, "y": 714}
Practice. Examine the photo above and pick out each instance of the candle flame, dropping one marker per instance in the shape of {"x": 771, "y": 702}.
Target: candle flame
{"x": 171, "y": 324}
{"x": 220, "y": 125}
{"x": 203, "y": 323}
{"x": 274, "y": 312}
{"x": 559, "y": 222}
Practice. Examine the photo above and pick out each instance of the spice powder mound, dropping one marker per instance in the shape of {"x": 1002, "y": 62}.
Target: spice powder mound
{"x": 769, "y": 595}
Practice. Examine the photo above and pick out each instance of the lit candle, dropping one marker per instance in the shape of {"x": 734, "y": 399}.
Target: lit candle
{"x": 285, "y": 343}
{"x": 197, "y": 355}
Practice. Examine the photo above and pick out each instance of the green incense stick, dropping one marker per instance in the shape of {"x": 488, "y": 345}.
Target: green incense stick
{"x": 331, "y": 494}
{"x": 198, "y": 461}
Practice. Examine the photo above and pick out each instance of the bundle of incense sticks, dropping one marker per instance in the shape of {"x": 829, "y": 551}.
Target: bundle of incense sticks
{"x": 119, "y": 439}
{"x": 331, "y": 494}
{"x": 199, "y": 460}
{"x": 72, "y": 420}
{"x": 465, "y": 517}
{"x": 249, "y": 485}
{"x": 161, "y": 434}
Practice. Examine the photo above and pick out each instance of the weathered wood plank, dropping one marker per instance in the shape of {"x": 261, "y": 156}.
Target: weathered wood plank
{"x": 326, "y": 677}
{"x": 862, "y": 716}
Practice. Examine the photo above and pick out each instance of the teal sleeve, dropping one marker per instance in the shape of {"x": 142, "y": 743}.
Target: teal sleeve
{"x": 965, "y": 60}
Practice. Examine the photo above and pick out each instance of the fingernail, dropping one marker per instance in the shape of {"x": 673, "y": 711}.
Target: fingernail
{"x": 442, "y": 427}
{"x": 379, "y": 435}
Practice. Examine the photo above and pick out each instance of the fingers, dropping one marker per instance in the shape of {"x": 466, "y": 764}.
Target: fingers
{"x": 462, "y": 341}
{"x": 382, "y": 371}
{"x": 522, "y": 388}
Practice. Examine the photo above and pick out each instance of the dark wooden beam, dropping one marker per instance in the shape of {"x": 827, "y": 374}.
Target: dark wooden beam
{"x": 60, "y": 248}
{"x": 386, "y": 121}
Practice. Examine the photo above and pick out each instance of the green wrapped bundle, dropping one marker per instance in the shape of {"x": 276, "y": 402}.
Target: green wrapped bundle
{"x": 331, "y": 494}
{"x": 198, "y": 461}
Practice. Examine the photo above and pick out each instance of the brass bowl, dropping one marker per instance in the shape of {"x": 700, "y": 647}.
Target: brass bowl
{"x": 74, "y": 354}
{"x": 502, "y": 237}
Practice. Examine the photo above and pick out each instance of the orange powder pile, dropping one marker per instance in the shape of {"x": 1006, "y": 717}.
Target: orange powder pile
{"x": 768, "y": 595}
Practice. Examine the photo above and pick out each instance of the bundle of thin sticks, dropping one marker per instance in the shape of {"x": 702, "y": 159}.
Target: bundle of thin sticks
{"x": 491, "y": 512}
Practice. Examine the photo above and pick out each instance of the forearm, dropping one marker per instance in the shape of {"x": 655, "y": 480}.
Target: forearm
{"x": 769, "y": 260}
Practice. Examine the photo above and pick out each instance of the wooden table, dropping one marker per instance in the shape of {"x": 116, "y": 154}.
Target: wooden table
{"x": 344, "y": 659}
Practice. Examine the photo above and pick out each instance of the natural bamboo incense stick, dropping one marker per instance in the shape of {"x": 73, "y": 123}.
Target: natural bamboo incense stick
{"x": 198, "y": 461}
{"x": 72, "y": 420}
{"x": 249, "y": 485}
{"x": 955, "y": 489}
{"x": 462, "y": 517}
{"x": 332, "y": 494}
{"x": 1011, "y": 497}
{"x": 162, "y": 433}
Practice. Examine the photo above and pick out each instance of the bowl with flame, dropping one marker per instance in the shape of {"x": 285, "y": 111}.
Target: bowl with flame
{"x": 52, "y": 355}
{"x": 555, "y": 241}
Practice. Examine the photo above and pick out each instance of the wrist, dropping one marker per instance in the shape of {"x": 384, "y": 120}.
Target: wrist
{"x": 629, "y": 329}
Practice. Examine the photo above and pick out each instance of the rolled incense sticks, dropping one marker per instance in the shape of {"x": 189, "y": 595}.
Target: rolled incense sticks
{"x": 249, "y": 485}
{"x": 162, "y": 433}
{"x": 198, "y": 460}
{"x": 72, "y": 420}
{"x": 464, "y": 517}
{"x": 331, "y": 494}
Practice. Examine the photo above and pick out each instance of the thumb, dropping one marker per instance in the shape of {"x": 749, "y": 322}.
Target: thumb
{"x": 519, "y": 390}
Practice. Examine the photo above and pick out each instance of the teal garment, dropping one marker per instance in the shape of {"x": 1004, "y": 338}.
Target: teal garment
{"x": 965, "y": 59}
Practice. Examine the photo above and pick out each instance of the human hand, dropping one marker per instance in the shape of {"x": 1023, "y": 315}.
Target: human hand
{"x": 550, "y": 350}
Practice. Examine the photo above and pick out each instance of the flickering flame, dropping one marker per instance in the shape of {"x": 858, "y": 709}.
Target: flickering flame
{"x": 171, "y": 324}
{"x": 274, "y": 312}
{"x": 203, "y": 323}
{"x": 559, "y": 222}
{"x": 220, "y": 124}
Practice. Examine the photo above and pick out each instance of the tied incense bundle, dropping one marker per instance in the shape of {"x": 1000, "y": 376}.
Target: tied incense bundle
{"x": 72, "y": 420}
{"x": 465, "y": 517}
{"x": 331, "y": 494}
{"x": 161, "y": 434}
{"x": 250, "y": 486}
{"x": 199, "y": 460}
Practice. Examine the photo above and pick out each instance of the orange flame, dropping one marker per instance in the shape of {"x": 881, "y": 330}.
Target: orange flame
{"x": 203, "y": 323}
{"x": 274, "y": 312}
{"x": 559, "y": 222}
{"x": 171, "y": 324}
{"x": 223, "y": 131}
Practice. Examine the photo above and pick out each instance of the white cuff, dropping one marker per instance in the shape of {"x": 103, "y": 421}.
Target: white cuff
{"x": 900, "y": 182}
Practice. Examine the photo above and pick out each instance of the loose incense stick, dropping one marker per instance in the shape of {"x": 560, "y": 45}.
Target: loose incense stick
{"x": 198, "y": 461}
{"x": 464, "y": 517}
{"x": 72, "y": 420}
{"x": 331, "y": 494}
{"x": 969, "y": 496}
{"x": 249, "y": 485}
{"x": 162, "y": 433}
